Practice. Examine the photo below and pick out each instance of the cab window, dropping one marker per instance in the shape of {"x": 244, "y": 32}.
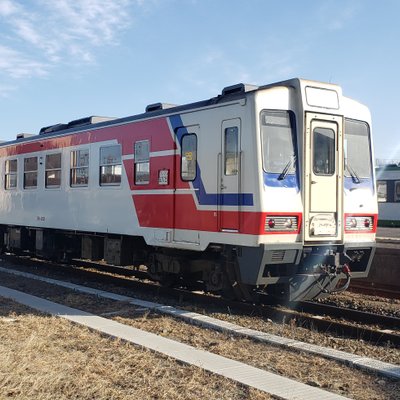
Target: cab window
{"x": 357, "y": 148}
{"x": 278, "y": 143}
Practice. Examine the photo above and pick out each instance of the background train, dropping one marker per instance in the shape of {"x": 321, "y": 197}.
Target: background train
{"x": 267, "y": 189}
{"x": 388, "y": 182}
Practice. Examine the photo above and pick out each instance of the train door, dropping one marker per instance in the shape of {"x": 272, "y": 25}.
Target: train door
{"x": 186, "y": 186}
{"x": 323, "y": 178}
{"x": 230, "y": 176}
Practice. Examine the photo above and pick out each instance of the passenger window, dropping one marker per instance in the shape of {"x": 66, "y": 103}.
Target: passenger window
{"x": 382, "y": 191}
{"x": 11, "y": 174}
{"x": 79, "y": 173}
{"x": 53, "y": 170}
{"x": 324, "y": 151}
{"x": 30, "y": 172}
{"x": 189, "y": 157}
{"x": 231, "y": 149}
{"x": 397, "y": 191}
{"x": 142, "y": 162}
{"x": 110, "y": 165}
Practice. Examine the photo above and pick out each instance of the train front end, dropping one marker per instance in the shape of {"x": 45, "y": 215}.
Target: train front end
{"x": 318, "y": 191}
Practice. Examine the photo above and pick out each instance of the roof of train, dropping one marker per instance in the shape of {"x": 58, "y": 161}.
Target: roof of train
{"x": 229, "y": 93}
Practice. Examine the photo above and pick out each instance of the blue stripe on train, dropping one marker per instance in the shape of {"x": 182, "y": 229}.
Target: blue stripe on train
{"x": 204, "y": 198}
{"x": 290, "y": 181}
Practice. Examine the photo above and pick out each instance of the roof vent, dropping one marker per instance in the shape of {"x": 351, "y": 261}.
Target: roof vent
{"x": 238, "y": 88}
{"x": 87, "y": 121}
{"x": 23, "y": 135}
{"x": 159, "y": 106}
{"x": 52, "y": 128}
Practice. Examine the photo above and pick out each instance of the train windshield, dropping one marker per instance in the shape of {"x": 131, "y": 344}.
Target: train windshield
{"x": 278, "y": 145}
{"x": 357, "y": 150}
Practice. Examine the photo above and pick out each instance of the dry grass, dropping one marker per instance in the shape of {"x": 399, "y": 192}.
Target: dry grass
{"x": 49, "y": 358}
{"x": 306, "y": 368}
{"x": 309, "y": 369}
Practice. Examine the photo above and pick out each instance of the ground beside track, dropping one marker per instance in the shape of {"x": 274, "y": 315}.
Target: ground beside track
{"x": 312, "y": 370}
{"x": 46, "y": 357}
{"x": 383, "y": 232}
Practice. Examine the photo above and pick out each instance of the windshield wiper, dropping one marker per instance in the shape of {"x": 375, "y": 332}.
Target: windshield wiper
{"x": 353, "y": 174}
{"x": 286, "y": 170}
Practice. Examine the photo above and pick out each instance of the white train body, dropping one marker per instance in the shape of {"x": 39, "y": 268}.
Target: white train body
{"x": 279, "y": 176}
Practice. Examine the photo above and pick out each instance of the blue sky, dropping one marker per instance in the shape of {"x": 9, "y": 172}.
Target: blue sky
{"x": 62, "y": 59}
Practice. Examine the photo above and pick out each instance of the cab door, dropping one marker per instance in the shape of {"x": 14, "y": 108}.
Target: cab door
{"x": 230, "y": 176}
{"x": 323, "y": 178}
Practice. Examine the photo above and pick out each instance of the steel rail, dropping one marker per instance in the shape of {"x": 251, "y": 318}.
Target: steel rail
{"x": 181, "y": 296}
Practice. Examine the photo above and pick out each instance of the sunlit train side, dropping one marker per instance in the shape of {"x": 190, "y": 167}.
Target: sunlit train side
{"x": 264, "y": 189}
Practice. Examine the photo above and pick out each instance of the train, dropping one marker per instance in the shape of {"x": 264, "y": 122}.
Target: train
{"x": 259, "y": 191}
{"x": 388, "y": 189}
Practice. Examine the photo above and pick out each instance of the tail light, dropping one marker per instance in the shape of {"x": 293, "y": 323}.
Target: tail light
{"x": 359, "y": 223}
{"x": 281, "y": 223}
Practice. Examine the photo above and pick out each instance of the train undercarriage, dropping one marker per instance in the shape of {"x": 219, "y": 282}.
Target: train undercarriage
{"x": 244, "y": 273}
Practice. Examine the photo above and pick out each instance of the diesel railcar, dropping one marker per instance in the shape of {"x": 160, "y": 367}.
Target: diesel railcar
{"x": 261, "y": 189}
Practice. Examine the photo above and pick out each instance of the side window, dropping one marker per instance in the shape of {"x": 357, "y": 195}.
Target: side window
{"x": 30, "y": 172}
{"x": 11, "y": 168}
{"x": 324, "y": 151}
{"x": 382, "y": 191}
{"x": 79, "y": 173}
{"x": 53, "y": 170}
{"x": 142, "y": 162}
{"x": 231, "y": 149}
{"x": 110, "y": 165}
{"x": 189, "y": 157}
{"x": 397, "y": 191}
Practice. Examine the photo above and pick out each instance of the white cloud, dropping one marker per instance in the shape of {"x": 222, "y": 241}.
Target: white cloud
{"x": 95, "y": 21}
{"x": 7, "y": 8}
{"x": 43, "y": 33}
{"x": 17, "y": 65}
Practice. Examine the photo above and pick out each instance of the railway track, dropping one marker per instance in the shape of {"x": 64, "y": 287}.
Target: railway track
{"x": 375, "y": 329}
{"x": 369, "y": 288}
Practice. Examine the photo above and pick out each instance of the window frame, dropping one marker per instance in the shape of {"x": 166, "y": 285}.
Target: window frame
{"x": 227, "y": 169}
{"x": 396, "y": 191}
{"x": 47, "y": 170}
{"x": 331, "y": 152}
{"x": 141, "y": 167}
{"x": 30, "y": 172}
{"x": 8, "y": 173}
{"x": 360, "y": 123}
{"x": 78, "y": 166}
{"x": 193, "y": 162}
{"x": 103, "y": 166}
{"x": 385, "y": 184}
{"x": 291, "y": 160}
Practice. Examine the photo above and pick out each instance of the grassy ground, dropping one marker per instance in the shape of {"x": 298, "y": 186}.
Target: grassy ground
{"x": 44, "y": 357}
{"x": 41, "y": 356}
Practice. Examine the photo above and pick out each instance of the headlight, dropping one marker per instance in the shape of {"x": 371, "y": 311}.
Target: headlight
{"x": 281, "y": 223}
